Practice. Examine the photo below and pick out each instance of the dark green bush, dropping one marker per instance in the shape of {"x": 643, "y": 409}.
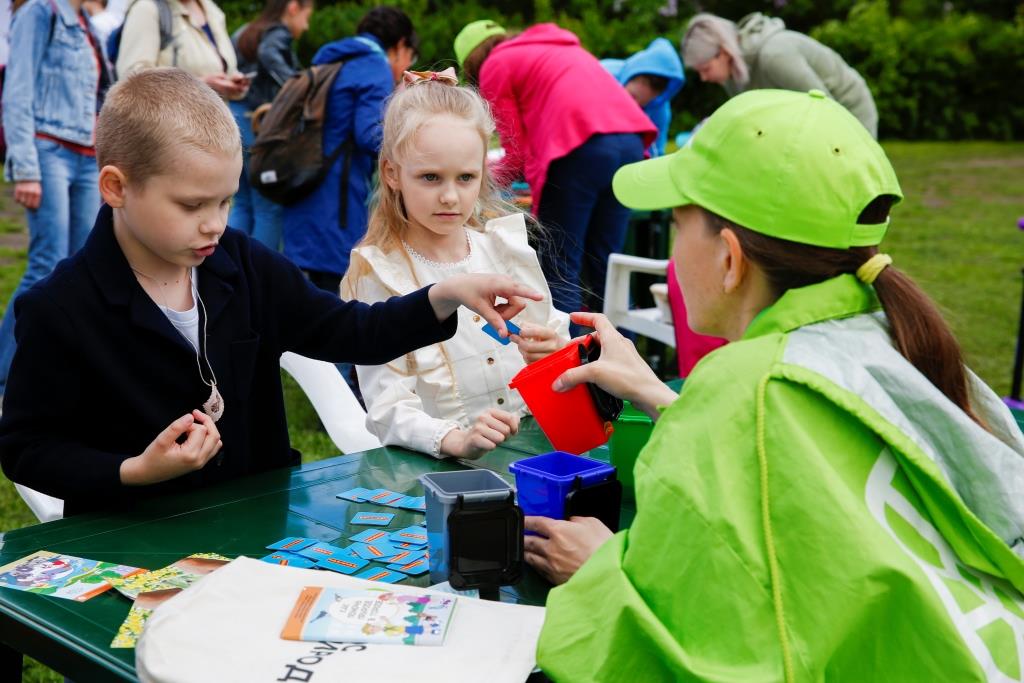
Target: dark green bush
{"x": 947, "y": 77}
{"x": 936, "y": 71}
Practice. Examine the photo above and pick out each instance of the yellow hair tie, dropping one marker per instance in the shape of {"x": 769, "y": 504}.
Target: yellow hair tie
{"x": 869, "y": 271}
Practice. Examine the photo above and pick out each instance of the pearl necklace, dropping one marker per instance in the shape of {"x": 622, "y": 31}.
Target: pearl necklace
{"x": 441, "y": 265}
{"x": 214, "y": 405}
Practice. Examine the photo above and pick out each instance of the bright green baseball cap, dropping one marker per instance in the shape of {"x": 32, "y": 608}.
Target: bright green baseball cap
{"x": 474, "y": 33}
{"x": 791, "y": 165}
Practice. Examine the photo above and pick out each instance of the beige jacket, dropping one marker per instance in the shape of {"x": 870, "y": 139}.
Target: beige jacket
{"x": 190, "y": 48}
{"x": 416, "y": 400}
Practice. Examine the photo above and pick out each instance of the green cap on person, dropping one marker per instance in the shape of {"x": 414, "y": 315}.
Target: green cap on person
{"x": 474, "y": 33}
{"x": 791, "y": 165}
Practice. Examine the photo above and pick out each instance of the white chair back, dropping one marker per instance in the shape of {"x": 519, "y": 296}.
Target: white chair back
{"x": 646, "y": 321}
{"x": 333, "y": 400}
{"x": 45, "y": 508}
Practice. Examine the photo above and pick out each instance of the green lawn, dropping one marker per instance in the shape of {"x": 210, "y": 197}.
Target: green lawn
{"x": 955, "y": 233}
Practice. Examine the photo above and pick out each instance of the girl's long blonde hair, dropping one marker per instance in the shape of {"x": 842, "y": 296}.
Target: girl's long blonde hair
{"x": 408, "y": 109}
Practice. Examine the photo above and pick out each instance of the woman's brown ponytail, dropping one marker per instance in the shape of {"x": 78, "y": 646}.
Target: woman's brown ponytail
{"x": 917, "y": 328}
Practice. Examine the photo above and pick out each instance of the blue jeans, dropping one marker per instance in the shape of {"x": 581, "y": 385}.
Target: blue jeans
{"x": 57, "y": 229}
{"x": 584, "y": 223}
{"x": 251, "y": 212}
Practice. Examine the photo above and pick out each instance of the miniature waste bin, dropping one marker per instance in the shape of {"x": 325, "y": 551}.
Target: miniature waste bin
{"x": 474, "y": 529}
{"x": 576, "y": 420}
{"x": 632, "y": 430}
{"x": 562, "y": 485}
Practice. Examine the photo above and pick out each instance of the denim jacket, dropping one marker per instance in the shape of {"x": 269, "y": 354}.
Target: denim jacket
{"x": 51, "y": 84}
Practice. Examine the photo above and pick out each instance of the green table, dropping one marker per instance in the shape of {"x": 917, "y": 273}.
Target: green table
{"x": 238, "y": 518}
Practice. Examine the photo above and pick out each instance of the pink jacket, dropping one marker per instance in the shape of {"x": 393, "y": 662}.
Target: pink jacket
{"x": 549, "y": 95}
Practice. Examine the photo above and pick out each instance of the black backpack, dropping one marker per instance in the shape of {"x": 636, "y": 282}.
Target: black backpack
{"x": 287, "y": 161}
{"x": 166, "y": 21}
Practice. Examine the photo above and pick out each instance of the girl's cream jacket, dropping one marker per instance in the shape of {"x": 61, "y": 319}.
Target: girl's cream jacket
{"x": 417, "y": 399}
{"x": 189, "y": 50}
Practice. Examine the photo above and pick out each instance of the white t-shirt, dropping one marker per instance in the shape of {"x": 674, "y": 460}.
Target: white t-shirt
{"x": 187, "y": 322}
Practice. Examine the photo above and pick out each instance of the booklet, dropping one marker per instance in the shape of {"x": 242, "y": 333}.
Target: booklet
{"x": 129, "y": 631}
{"x": 369, "y": 616}
{"x": 63, "y": 576}
{"x": 181, "y": 574}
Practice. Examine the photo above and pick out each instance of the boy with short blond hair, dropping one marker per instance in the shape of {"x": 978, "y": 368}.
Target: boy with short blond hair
{"x": 165, "y": 311}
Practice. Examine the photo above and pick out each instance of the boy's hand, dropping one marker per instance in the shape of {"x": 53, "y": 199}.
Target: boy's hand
{"x": 28, "y": 193}
{"x": 166, "y": 459}
{"x": 478, "y": 293}
{"x": 489, "y": 430}
{"x": 536, "y": 341}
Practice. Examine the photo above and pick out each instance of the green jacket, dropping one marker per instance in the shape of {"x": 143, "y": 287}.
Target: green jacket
{"x": 811, "y": 508}
{"x": 788, "y": 60}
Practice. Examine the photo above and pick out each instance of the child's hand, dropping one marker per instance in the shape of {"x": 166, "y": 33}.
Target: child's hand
{"x": 166, "y": 459}
{"x": 478, "y": 293}
{"x": 536, "y": 341}
{"x": 562, "y": 546}
{"x": 489, "y": 430}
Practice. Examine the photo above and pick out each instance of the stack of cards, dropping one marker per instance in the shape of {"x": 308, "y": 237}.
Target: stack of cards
{"x": 385, "y": 497}
{"x": 404, "y": 552}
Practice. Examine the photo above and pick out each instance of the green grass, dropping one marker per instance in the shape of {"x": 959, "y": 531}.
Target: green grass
{"x": 955, "y": 234}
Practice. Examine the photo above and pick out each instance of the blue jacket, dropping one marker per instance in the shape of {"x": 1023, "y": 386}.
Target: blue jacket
{"x": 658, "y": 59}
{"x": 315, "y": 237}
{"x": 51, "y": 84}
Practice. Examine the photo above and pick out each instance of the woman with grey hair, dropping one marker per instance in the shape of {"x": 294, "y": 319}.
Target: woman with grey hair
{"x": 760, "y": 52}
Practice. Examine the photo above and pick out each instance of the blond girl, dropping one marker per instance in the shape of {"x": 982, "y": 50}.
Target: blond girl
{"x": 451, "y": 398}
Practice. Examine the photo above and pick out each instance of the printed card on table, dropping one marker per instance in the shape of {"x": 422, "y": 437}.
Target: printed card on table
{"x": 63, "y": 576}
{"x": 373, "y": 518}
{"x": 383, "y": 496}
{"x": 292, "y": 544}
{"x": 412, "y": 567}
{"x": 342, "y": 564}
{"x": 369, "y": 616}
{"x": 356, "y": 495}
{"x": 412, "y": 534}
{"x": 370, "y": 536}
{"x": 320, "y": 550}
{"x": 374, "y": 551}
{"x": 286, "y": 559}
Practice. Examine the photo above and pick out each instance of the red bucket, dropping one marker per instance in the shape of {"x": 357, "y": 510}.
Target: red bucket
{"x": 570, "y": 420}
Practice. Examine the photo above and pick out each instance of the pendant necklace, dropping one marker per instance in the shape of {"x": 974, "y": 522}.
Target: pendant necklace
{"x": 214, "y": 405}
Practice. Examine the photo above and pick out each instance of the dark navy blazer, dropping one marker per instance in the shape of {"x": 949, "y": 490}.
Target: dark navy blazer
{"x": 99, "y": 371}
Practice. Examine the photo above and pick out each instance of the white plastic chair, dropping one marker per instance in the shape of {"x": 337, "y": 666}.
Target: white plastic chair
{"x": 646, "y": 321}
{"x": 333, "y": 400}
{"x": 45, "y": 508}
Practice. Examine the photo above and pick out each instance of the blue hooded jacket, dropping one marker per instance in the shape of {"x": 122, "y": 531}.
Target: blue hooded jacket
{"x": 315, "y": 237}
{"x": 658, "y": 59}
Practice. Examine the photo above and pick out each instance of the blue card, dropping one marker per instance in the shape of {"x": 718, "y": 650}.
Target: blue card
{"x": 343, "y": 565}
{"x": 383, "y": 496}
{"x": 356, "y": 495}
{"x": 292, "y": 544}
{"x": 412, "y": 567}
{"x": 321, "y": 551}
{"x": 409, "y": 546}
{"x": 370, "y": 536}
{"x": 373, "y": 518}
{"x": 380, "y": 574}
{"x": 414, "y": 503}
{"x": 493, "y": 333}
{"x": 412, "y": 534}
{"x": 404, "y": 556}
{"x": 374, "y": 551}
{"x": 289, "y": 560}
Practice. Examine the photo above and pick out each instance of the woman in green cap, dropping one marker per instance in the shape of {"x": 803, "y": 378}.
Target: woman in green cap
{"x": 833, "y": 495}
